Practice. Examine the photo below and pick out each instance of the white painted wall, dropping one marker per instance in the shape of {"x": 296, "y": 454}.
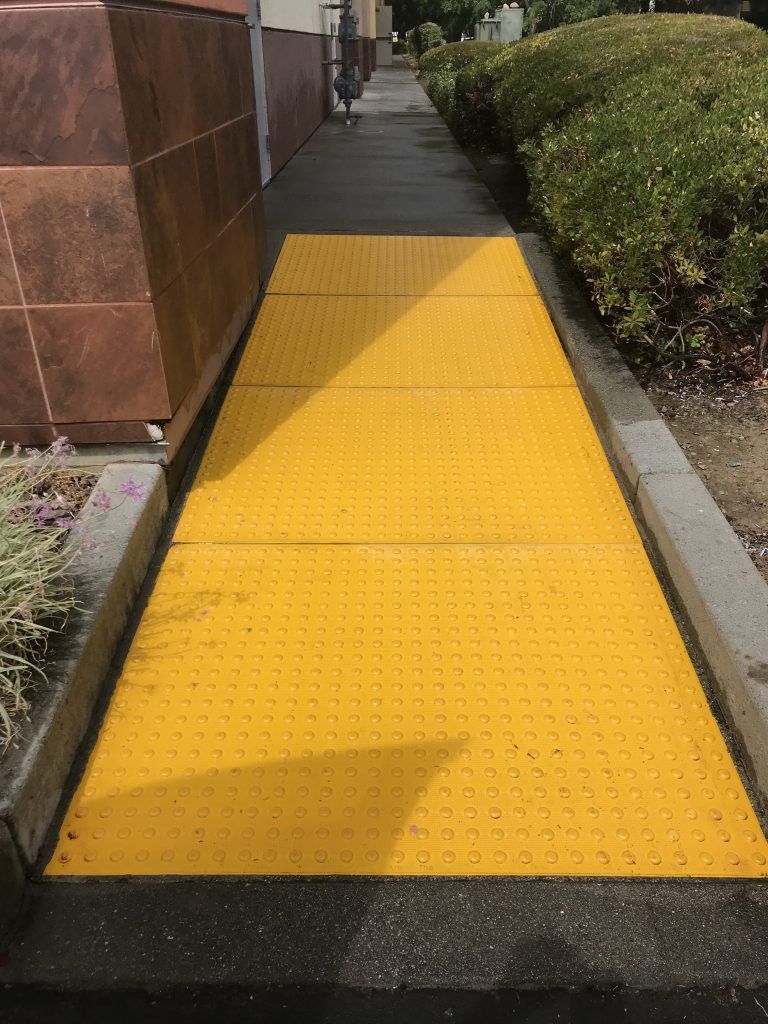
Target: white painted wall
{"x": 383, "y": 33}
{"x": 297, "y": 16}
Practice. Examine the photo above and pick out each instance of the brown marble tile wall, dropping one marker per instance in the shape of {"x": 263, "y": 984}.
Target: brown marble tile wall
{"x": 299, "y": 89}
{"x": 58, "y": 90}
{"x": 132, "y": 233}
{"x": 187, "y": 90}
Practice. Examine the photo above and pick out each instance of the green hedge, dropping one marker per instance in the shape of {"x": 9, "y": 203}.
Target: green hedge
{"x": 545, "y": 77}
{"x": 460, "y": 83}
{"x": 645, "y": 140}
{"x": 660, "y": 198}
{"x": 424, "y": 38}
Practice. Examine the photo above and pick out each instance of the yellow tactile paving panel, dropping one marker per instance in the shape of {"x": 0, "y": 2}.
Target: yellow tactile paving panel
{"x": 360, "y": 464}
{"x": 367, "y": 341}
{"x": 407, "y": 626}
{"x": 323, "y": 709}
{"x": 400, "y": 265}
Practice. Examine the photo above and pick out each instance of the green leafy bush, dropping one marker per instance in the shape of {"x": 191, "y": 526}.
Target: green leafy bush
{"x": 455, "y": 56}
{"x": 459, "y": 82}
{"x": 660, "y": 198}
{"x": 475, "y": 120}
{"x": 545, "y": 77}
{"x": 425, "y": 37}
{"x": 645, "y": 143}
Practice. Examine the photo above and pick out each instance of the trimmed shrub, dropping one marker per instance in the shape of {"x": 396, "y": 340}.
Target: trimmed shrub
{"x": 645, "y": 141}
{"x": 459, "y": 83}
{"x": 660, "y": 198}
{"x": 425, "y": 37}
{"x": 475, "y": 119}
{"x": 545, "y": 77}
{"x": 455, "y": 56}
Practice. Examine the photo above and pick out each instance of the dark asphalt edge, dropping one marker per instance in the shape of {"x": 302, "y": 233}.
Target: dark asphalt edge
{"x": 322, "y": 1005}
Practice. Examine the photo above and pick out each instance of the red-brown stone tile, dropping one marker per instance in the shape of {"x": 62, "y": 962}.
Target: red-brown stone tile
{"x": 21, "y": 392}
{"x": 234, "y": 276}
{"x": 260, "y": 232}
{"x": 75, "y": 234}
{"x": 208, "y": 90}
{"x": 37, "y": 434}
{"x": 237, "y": 155}
{"x": 297, "y": 102}
{"x": 174, "y": 68}
{"x": 171, "y": 213}
{"x": 172, "y": 310}
{"x": 58, "y": 89}
{"x": 208, "y": 179}
{"x": 132, "y": 44}
{"x": 100, "y": 363}
{"x": 202, "y": 329}
{"x": 241, "y": 58}
{"x": 127, "y": 432}
{"x": 180, "y": 76}
{"x": 226, "y": 268}
{"x": 235, "y": 47}
{"x": 9, "y": 286}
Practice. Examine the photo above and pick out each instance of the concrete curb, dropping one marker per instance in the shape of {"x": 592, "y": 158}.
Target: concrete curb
{"x": 117, "y": 544}
{"x": 719, "y": 589}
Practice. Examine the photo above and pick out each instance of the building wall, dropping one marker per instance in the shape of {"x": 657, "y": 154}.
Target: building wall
{"x": 296, "y": 39}
{"x": 132, "y": 234}
{"x": 299, "y": 89}
{"x": 383, "y": 34}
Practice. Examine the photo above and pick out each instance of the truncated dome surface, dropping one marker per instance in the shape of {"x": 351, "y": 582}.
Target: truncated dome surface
{"x": 407, "y": 626}
{"x": 407, "y": 710}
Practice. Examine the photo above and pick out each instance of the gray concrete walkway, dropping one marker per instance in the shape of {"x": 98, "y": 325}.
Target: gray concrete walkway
{"x": 354, "y": 950}
{"x": 397, "y": 170}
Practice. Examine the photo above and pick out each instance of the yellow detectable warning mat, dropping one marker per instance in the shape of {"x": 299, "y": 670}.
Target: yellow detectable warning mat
{"x": 407, "y": 626}
{"x": 384, "y": 341}
{"x": 364, "y": 464}
{"x": 323, "y": 709}
{"x": 400, "y": 265}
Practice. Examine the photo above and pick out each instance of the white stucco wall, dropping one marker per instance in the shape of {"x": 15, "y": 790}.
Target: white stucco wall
{"x": 297, "y": 16}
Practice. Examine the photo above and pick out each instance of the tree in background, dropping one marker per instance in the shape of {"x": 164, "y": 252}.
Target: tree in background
{"x": 541, "y": 15}
{"x": 457, "y": 16}
{"x": 453, "y": 16}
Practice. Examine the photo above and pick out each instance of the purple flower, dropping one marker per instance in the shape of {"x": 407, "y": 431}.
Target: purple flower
{"x": 61, "y": 446}
{"x": 133, "y": 490}
{"x": 101, "y": 499}
{"x": 63, "y": 524}
{"x": 43, "y": 513}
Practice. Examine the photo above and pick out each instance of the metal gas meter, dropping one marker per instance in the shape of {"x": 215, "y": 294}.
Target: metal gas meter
{"x": 347, "y": 82}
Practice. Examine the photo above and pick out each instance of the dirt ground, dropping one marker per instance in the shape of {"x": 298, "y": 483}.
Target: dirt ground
{"x": 723, "y": 430}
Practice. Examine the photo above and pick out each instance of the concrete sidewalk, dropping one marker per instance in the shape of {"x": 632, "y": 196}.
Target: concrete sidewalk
{"x": 306, "y": 950}
{"x": 397, "y": 170}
